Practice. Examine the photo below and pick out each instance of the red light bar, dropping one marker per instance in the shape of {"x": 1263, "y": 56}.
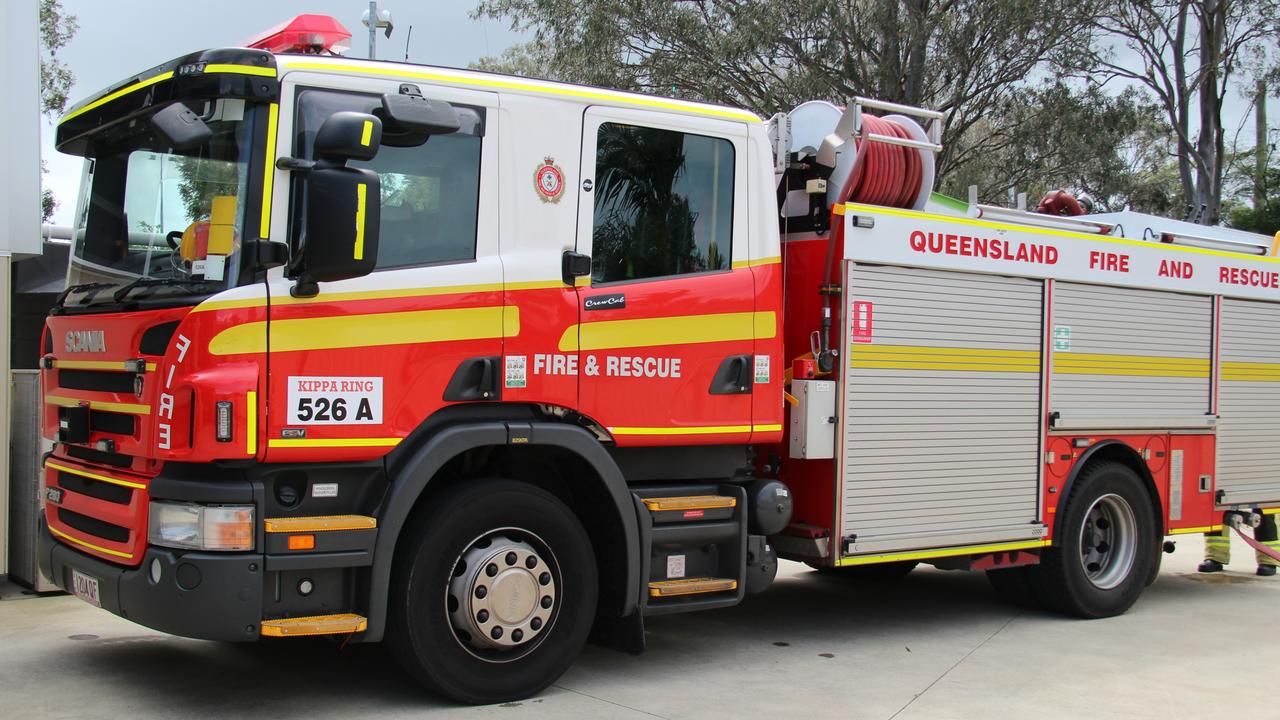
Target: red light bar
{"x": 307, "y": 34}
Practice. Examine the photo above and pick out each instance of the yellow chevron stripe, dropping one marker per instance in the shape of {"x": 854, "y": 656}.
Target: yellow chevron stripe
{"x": 678, "y": 330}
{"x": 774, "y": 260}
{"x": 920, "y": 357}
{"x": 1070, "y": 363}
{"x": 355, "y": 331}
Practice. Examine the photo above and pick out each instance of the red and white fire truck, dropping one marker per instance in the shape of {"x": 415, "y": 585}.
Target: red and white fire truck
{"x": 482, "y": 365}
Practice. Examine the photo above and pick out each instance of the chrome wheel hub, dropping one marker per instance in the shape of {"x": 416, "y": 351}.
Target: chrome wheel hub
{"x": 1108, "y": 541}
{"x": 502, "y": 595}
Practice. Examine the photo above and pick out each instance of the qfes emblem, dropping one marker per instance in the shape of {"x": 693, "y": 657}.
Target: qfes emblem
{"x": 548, "y": 180}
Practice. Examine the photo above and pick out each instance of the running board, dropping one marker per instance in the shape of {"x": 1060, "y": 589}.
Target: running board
{"x": 690, "y": 586}
{"x": 342, "y": 624}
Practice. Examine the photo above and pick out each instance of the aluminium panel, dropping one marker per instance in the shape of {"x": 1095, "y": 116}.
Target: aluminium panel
{"x": 1129, "y": 353}
{"x": 1249, "y": 403}
{"x": 941, "y": 407}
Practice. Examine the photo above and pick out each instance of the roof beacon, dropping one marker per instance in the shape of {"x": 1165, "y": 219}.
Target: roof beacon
{"x": 306, "y": 34}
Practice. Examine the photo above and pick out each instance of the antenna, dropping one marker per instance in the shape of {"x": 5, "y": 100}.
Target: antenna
{"x": 407, "y": 37}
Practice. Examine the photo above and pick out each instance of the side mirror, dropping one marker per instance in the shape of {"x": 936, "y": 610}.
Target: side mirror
{"x": 346, "y": 136}
{"x": 412, "y": 118}
{"x": 342, "y": 204}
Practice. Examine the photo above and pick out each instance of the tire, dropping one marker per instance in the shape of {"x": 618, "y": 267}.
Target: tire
{"x": 1014, "y": 585}
{"x": 879, "y": 572}
{"x": 445, "y": 559}
{"x": 1104, "y": 555}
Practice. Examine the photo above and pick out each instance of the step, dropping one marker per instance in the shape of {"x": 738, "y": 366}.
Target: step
{"x": 689, "y": 502}
{"x": 690, "y": 586}
{"x": 341, "y": 624}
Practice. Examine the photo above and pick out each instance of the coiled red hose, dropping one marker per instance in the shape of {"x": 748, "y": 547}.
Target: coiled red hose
{"x": 884, "y": 174}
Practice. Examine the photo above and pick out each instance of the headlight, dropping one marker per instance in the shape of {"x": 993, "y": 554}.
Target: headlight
{"x": 200, "y": 527}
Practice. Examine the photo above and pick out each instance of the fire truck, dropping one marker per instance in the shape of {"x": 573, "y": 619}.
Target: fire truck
{"x": 485, "y": 366}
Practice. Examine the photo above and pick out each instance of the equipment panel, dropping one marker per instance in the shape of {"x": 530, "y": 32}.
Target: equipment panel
{"x": 1249, "y": 403}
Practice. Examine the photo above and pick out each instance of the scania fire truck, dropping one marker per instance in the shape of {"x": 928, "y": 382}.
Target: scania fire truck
{"x": 483, "y": 366}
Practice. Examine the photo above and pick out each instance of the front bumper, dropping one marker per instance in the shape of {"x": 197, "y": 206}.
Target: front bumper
{"x": 208, "y": 596}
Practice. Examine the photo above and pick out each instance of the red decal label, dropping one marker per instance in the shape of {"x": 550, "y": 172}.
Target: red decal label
{"x": 860, "y": 321}
{"x": 694, "y": 513}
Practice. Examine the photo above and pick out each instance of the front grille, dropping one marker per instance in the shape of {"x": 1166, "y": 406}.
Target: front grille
{"x": 117, "y": 494}
{"x": 98, "y": 380}
{"x": 93, "y": 526}
{"x": 118, "y": 423}
{"x": 97, "y": 456}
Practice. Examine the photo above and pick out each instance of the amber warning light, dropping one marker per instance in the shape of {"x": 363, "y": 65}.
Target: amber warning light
{"x": 305, "y": 34}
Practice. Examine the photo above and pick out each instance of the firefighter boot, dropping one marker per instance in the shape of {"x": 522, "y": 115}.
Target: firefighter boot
{"x": 1266, "y": 534}
{"x": 1266, "y": 570}
{"x": 1217, "y": 551}
{"x": 1212, "y": 566}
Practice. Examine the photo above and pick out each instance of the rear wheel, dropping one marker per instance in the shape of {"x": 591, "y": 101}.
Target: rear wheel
{"x": 1104, "y": 558}
{"x": 493, "y": 593}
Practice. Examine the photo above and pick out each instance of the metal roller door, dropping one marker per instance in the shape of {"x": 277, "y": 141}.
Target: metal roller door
{"x": 1140, "y": 356}
{"x": 1249, "y": 403}
{"x": 941, "y": 409}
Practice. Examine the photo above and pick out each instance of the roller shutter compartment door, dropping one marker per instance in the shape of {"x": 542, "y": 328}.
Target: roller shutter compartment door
{"x": 1249, "y": 403}
{"x": 1126, "y": 353}
{"x": 941, "y": 409}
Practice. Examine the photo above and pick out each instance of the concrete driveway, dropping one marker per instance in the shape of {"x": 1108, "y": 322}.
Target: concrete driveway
{"x": 936, "y": 645}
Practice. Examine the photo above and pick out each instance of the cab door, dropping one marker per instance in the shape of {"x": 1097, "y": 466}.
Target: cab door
{"x": 667, "y": 329}
{"x": 359, "y": 366}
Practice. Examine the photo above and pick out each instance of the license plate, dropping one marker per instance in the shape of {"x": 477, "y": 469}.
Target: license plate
{"x": 85, "y": 588}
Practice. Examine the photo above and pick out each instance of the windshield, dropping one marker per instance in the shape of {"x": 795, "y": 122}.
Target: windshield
{"x": 171, "y": 222}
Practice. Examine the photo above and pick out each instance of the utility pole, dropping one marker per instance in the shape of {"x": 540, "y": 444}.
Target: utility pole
{"x": 373, "y": 19}
{"x": 1260, "y": 147}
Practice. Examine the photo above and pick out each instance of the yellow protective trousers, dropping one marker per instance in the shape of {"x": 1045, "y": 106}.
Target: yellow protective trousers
{"x": 1217, "y": 546}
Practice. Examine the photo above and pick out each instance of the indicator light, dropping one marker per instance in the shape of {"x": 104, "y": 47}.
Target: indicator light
{"x": 302, "y": 542}
{"x": 223, "y": 429}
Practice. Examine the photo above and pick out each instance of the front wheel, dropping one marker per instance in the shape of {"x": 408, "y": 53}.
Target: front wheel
{"x": 493, "y": 592}
{"x": 1105, "y": 555}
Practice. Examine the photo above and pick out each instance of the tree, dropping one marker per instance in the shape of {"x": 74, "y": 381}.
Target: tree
{"x": 56, "y": 30}
{"x": 1186, "y": 54}
{"x": 965, "y": 57}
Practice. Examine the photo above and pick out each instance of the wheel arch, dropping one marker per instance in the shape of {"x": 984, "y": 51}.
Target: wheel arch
{"x": 1113, "y": 451}
{"x": 417, "y": 472}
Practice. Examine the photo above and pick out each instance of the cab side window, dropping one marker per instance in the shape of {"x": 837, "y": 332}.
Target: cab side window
{"x": 663, "y": 203}
{"x": 430, "y": 192}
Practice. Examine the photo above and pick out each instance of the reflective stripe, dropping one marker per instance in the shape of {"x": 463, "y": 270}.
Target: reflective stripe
{"x": 251, "y": 423}
{"x": 121, "y": 365}
{"x": 676, "y": 330}
{"x": 355, "y": 331}
{"x": 269, "y": 170}
{"x": 91, "y": 546}
{"x": 499, "y": 82}
{"x": 361, "y": 191}
{"x": 94, "y": 476}
{"x": 945, "y": 552}
{"x": 1071, "y": 363}
{"x": 333, "y": 442}
{"x": 366, "y": 133}
{"x": 1250, "y": 371}
{"x": 920, "y": 357}
{"x": 131, "y": 408}
{"x": 116, "y": 95}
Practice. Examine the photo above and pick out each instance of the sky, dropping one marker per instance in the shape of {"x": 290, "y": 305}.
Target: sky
{"x": 120, "y": 38}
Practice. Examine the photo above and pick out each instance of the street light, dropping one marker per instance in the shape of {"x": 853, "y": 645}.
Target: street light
{"x": 380, "y": 19}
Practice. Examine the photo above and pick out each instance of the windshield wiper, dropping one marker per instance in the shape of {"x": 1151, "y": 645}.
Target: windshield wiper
{"x": 124, "y": 290}
{"x": 62, "y": 296}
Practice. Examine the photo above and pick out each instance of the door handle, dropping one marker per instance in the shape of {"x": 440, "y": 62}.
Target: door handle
{"x": 733, "y": 377}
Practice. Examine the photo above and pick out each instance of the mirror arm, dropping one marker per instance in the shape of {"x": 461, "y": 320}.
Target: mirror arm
{"x": 294, "y": 164}
{"x": 305, "y": 286}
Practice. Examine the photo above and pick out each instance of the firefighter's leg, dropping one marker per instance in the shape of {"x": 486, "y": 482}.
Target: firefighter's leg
{"x": 1266, "y": 534}
{"x": 1217, "y": 551}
